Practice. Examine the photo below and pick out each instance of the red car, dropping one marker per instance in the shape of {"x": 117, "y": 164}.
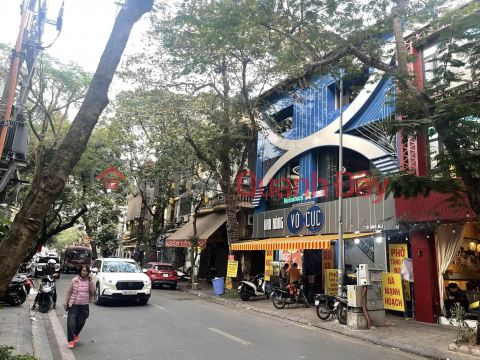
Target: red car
{"x": 161, "y": 274}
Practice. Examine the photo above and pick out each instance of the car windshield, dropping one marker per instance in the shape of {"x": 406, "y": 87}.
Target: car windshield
{"x": 164, "y": 267}
{"x": 80, "y": 254}
{"x": 121, "y": 267}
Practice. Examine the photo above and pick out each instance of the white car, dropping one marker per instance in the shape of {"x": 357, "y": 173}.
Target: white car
{"x": 117, "y": 278}
{"x": 37, "y": 268}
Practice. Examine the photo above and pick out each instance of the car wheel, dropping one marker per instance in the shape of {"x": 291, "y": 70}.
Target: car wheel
{"x": 98, "y": 296}
{"x": 143, "y": 301}
{"x": 173, "y": 287}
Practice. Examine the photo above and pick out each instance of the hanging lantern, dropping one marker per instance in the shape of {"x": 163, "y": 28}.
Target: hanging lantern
{"x": 473, "y": 246}
{"x": 207, "y": 199}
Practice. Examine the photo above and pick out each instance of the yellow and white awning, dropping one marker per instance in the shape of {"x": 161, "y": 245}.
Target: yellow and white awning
{"x": 294, "y": 243}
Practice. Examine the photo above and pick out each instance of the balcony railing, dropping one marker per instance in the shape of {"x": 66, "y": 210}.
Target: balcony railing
{"x": 242, "y": 201}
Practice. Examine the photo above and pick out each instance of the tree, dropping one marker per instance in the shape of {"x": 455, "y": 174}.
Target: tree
{"x": 322, "y": 37}
{"x": 65, "y": 238}
{"x": 50, "y": 182}
{"x": 107, "y": 236}
{"x": 215, "y": 69}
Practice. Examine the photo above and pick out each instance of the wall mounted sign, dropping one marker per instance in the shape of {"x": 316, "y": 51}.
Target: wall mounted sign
{"x": 397, "y": 252}
{"x": 314, "y": 219}
{"x": 393, "y": 292}
{"x": 295, "y": 221}
{"x": 332, "y": 281}
{"x": 273, "y": 224}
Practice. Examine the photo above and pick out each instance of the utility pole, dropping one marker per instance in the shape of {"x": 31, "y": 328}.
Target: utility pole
{"x": 14, "y": 134}
{"x": 341, "y": 245}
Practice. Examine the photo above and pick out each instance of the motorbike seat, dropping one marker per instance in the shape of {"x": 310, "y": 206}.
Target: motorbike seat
{"x": 325, "y": 296}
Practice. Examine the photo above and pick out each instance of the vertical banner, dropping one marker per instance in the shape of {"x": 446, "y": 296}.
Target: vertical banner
{"x": 327, "y": 262}
{"x": 232, "y": 269}
{"x": 397, "y": 252}
{"x": 332, "y": 282}
{"x": 393, "y": 292}
{"x": 228, "y": 283}
{"x": 268, "y": 267}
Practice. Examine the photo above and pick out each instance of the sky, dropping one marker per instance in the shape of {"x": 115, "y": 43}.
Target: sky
{"x": 87, "y": 25}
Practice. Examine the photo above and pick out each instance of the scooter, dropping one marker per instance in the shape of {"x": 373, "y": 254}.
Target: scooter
{"x": 327, "y": 305}
{"x": 45, "y": 293}
{"x": 292, "y": 294}
{"x": 211, "y": 274}
{"x": 15, "y": 294}
{"x": 26, "y": 282}
{"x": 184, "y": 273}
{"x": 256, "y": 287}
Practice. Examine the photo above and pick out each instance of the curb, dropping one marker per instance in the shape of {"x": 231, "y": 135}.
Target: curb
{"x": 357, "y": 334}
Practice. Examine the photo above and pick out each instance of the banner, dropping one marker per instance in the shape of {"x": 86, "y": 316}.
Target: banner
{"x": 228, "y": 283}
{"x": 332, "y": 282}
{"x": 393, "y": 292}
{"x": 397, "y": 252}
{"x": 328, "y": 262}
{"x": 268, "y": 268}
{"x": 232, "y": 268}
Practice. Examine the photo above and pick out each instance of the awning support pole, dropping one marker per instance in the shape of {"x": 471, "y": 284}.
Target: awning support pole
{"x": 341, "y": 259}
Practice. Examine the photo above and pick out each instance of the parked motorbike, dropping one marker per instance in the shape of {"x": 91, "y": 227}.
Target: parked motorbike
{"x": 327, "y": 305}
{"x": 26, "y": 282}
{"x": 256, "y": 287}
{"x": 22, "y": 269}
{"x": 45, "y": 293}
{"x": 211, "y": 274}
{"x": 15, "y": 294}
{"x": 292, "y": 294}
{"x": 184, "y": 273}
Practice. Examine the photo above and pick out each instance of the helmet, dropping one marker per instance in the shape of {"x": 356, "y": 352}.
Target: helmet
{"x": 51, "y": 261}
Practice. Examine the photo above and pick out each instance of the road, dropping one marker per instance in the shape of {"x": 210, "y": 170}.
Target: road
{"x": 176, "y": 325}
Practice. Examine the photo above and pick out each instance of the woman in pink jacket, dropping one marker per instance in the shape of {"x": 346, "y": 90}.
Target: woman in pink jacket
{"x": 79, "y": 294}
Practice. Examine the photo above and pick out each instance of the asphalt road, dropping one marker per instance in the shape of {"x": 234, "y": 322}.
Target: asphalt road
{"x": 176, "y": 325}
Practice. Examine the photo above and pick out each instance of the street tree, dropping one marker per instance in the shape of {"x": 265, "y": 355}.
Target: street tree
{"x": 48, "y": 184}
{"x": 215, "y": 69}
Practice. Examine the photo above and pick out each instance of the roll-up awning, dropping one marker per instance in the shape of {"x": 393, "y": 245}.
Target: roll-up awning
{"x": 206, "y": 226}
{"x": 294, "y": 243}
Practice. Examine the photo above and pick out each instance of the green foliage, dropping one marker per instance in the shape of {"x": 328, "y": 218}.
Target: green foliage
{"x": 107, "y": 236}
{"x": 458, "y": 319}
{"x": 6, "y": 353}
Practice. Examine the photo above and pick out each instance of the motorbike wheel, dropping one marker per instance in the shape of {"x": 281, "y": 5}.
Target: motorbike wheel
{"x": 322, "y": 311}
{"x": 276, "y": 303}
{"x": 244, "y": 296}
{"x": 19, "y": 300}
{"x": 267, "y": 294}
{"x": 342, "y": 314}
{"x": 44, "y": 305}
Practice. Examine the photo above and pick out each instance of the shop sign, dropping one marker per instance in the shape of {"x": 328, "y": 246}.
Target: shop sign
{"x": 295, "y": 221}
{"x": 268, "y": 266}
{"x": 228, "y": 283}
{"x": 314, "y": 219}
{"x": 232, "y": 268}
{"x": 292, "y": 199}
{"x": 273, "y": 224}
{"x": 332, "y": 282}
{"x": 397, "y": 252}
{"x": 183, "y": 243}
{"x": 327, "y": 262}
{"x": 393, "y": 292}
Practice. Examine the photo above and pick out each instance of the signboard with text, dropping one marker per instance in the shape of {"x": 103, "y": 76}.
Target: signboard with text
{"x": 328, "y": 262}
{"x": 228, "y": 283}
{"x": 232, "y": 268}
{"x": 393, "y": 298}
{"x": 397, "y": 252}
{"x": 268, "y": 267}
{"x": 332, "y": 282}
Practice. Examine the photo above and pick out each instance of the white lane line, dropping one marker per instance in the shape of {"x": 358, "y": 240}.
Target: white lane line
{"x": 158, "y": 306}
{"x": 67, "y": 353}
{"x": 243, "y": 342}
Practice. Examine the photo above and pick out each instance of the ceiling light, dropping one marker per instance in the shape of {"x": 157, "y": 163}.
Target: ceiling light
{"x": 357, "y": 241}
{"x": 378, "y": 239}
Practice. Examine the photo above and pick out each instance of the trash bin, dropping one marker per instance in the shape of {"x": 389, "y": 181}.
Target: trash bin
{"x": 218, "y": 286}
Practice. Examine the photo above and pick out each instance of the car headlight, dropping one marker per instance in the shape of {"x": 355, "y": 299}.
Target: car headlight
{"x": 145, "y": 282}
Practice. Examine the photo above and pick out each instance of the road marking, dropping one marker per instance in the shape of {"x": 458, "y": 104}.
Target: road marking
{"x": 67, "y": 353}
{"x": 243, "y": 342}
{"x": 158, "y": 306}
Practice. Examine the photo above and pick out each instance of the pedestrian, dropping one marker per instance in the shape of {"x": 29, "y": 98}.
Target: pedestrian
{"x": 283, "y": 275}
{"x": 48, "y": 270}
{"x": 457, "y": 297}
{"x": 79, "y": 294}
{"x": 293, "y": 274}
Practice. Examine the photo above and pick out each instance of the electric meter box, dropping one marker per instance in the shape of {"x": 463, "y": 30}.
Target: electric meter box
{"x": 363, "y": 276}
{"x": 354, "y": 294}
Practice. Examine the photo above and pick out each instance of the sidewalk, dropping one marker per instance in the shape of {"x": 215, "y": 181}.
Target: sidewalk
{"x": 430, "y": 340}
{"x": 15, "y": 328}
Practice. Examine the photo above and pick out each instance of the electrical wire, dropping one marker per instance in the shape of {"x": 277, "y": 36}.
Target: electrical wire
{"x": 364, "y": 308}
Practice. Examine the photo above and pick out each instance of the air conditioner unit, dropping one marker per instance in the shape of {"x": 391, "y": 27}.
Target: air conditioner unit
{"x": 250, "y": 220}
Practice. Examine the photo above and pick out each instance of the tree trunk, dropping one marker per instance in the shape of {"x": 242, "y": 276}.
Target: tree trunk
{"x": 231, "y": 205}
{"x": 50, "y": 183}
{"x": 89, "y": 231}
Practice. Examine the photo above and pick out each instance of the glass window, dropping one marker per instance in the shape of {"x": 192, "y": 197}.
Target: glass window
{"x": 97, "y": 264}
{"x": 185, "y": 206}
{"x": 164, "y": 267}
{"x": 289, "y": 175}
{"x": 80, "y": 254}
{"x": 121, "y": 267}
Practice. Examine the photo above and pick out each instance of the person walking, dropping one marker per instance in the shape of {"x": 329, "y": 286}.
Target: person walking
{"x": 79, "y": 295}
